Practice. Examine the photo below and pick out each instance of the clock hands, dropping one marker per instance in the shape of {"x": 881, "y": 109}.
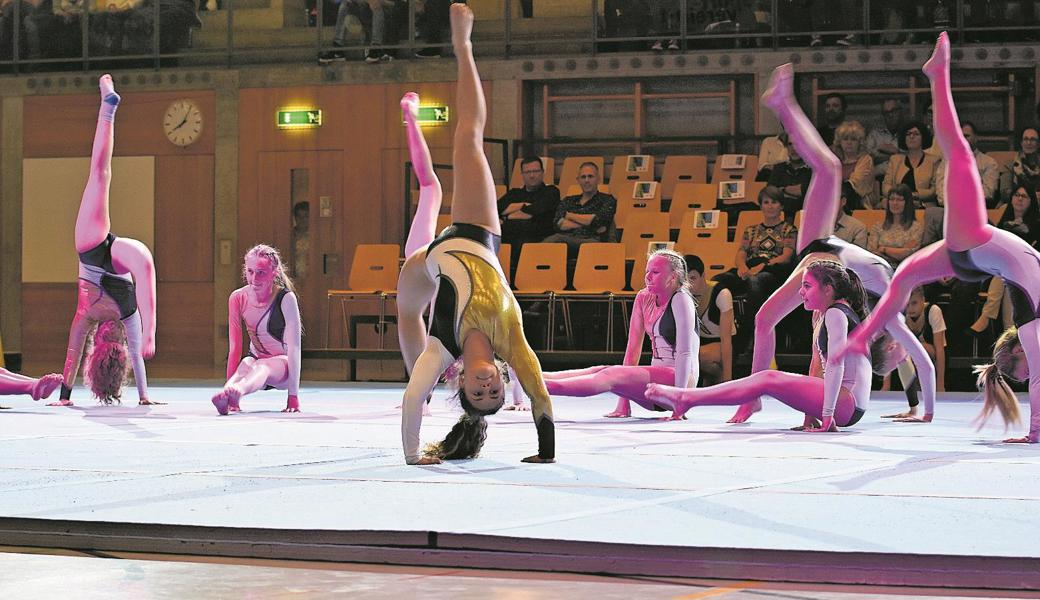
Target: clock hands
{"x": 183, "y": 121}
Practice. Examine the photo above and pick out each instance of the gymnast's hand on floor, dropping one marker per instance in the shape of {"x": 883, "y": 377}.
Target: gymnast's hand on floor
{"x": 518, "y": 407}
{"x": 60, "y": 403}
{"x": 428, "y": 460}
{"x": 1021, "y": 440}
{"x": 147, "y": 402}
{"x": 911, "y": 418}
{"x": 827, "y": 427}
{"x": 292, "y": 404}
{"x": 538, "y": 459}
{"x": 910, "y": 414}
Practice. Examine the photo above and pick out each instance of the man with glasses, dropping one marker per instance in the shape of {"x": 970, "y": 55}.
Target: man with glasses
{"x": 881, "y": 141}
{"x": 526, "y": 213}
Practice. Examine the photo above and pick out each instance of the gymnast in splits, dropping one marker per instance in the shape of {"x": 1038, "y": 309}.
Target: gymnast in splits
{"x": 474, "y": 316}
{"x": 268, "y": 306}
{"x": 664, "y": 310}
{"x": 837, "y": 299}
{"x": 816, "y": 241}
{"x": 116, "y": 284}
{"x": 972, "y": 250}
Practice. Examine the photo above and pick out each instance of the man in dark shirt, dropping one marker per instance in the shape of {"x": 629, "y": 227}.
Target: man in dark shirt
{"x": 833, "y": 114}
{"x": 586, "y": 217}
{"x": 526, "y": 213}
{"x": 792, "y": 179}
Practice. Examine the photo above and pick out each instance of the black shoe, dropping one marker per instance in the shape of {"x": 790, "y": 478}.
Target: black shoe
{"x": 372, "y": 56}
{"x": 428, "y": 53}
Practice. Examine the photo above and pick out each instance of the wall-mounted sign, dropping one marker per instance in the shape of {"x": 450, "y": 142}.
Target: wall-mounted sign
{"x": 429, "y": 115}
{"x": 299, "y": 118}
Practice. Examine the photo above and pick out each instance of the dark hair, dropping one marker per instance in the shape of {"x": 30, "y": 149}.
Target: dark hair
{"x": 853, "y": 201}
{"x": 967, "y": 123}
{"x": 589, "y": 163}
{"x": 1032, "y": 215}
{"x": 772, "y": 192}
{"x": 466, "y": 437}
{"x": 532, "y": 159}
{"x": 926, "y": 134}
{"x": 909, "y": 214}
{"x": 694, "y": 263}
{"x": 844, "y": 104}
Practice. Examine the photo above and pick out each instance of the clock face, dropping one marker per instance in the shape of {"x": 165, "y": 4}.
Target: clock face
{"x": 182, "y": 122}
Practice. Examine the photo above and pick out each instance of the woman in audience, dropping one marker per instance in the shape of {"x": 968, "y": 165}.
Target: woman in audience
{"x": 913, "y": 167}
{"x": 1024, "y": 171}
{"x": 857, "y": 167}
{"x": 899, "y": 235}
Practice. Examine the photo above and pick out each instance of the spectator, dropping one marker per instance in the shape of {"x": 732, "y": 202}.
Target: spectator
{"x": 831, "y": 15}
{"x": 927, "y": 322}
{"x": 928, "y": 118}
{"x": 899, "y": 235}
{"x": 1022, "y": 218}
{"x": 717, "y": 327}
{"x": 989, "y": 171}
{"x": 764, "y": 258}
{"x": 857, "y": 168}
{"x": 883, "y": 140}
{"x": 527, "y": 212}
{"x": 378, "y": 24}
{"x": 1025, "y": 169}
{"x": 664, "y": 18}
{"x": 771, "y": 152}
{"x": 914, "y": 167}
{"x": 431, "y": 26}
{"x": 834, "y": 107}
{"x": 585, "y": 217}
{"x": 28, "y": 34}
{"x": 791, "y": 179}
{"x": 847, "y": 227}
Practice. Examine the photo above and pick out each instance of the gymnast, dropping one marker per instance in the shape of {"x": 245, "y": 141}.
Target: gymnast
{"x": 972, "y": 250}
{"x": 816, "y": 241}
{"x": 715, "y": 316}
{"x": 268, "y": 306}
{"x": 474, "y": 315}
{"x": 116, "y": 305}
{"x": 837, "y": 299}
{"x": 664, "y": 310}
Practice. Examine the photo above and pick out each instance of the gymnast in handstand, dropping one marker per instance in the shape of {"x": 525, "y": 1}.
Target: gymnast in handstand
{"x": 473, "y": 315}
{"x": 816, "y": 241}
{"x": 116, "y": 305}
{"x": 268, "y": 306}
{"x": 664, "y": 310}
{"x": 840, "y": 397}
{"x": 972, "y": 250}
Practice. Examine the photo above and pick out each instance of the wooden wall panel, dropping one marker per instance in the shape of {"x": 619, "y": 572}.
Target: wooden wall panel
{"x": 47, "y": 310}
{"x": 184, "y": 325}
{"x": 184, "y": 333}
{"x": 184, "y": 218}
{"x": 365, "y": 122}
{"x": 64, "y": 125}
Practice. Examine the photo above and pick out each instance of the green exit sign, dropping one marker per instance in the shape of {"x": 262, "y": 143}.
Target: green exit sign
{"x": 305, "y": 118}
{"x": 429, "y": 115}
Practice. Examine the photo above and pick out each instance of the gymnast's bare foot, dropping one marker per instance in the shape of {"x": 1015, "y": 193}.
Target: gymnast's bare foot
{"x": 745, "y": 411}
{"x": 410, "y": 106}
{"x": 147, "y": 402}
{"x": 939, "y": 63}
{"x": 222, "y": 399}
{"x": 780, "y": 89}
{"x": 673, "y": 396}
{"x": 45, "y": 386}
{"x": 60, "y": 403}
{"x": 461, "y": 26}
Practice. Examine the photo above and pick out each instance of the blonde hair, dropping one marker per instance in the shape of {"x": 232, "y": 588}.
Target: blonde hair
{"x": 281, "y": 277}
{"x": 108, "y": 362}
{"x": 997, "y": 395}
{"x": 848, "y": 129}
{"x": 678, "y": 266}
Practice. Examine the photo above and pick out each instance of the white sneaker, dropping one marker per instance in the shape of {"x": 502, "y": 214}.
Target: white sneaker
{"x": 849, "y": 40}
{"x": 657, "y": 47}
{"x": 673, "y": 45}
{"x": 816, "y": 41}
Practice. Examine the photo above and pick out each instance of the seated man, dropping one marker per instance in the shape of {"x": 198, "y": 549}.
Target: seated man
{"x": 585, "y": 217}
{"x": 526, "y": 213}
{"x": 792, "y": 179}
{"x": 847, "y": 227}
